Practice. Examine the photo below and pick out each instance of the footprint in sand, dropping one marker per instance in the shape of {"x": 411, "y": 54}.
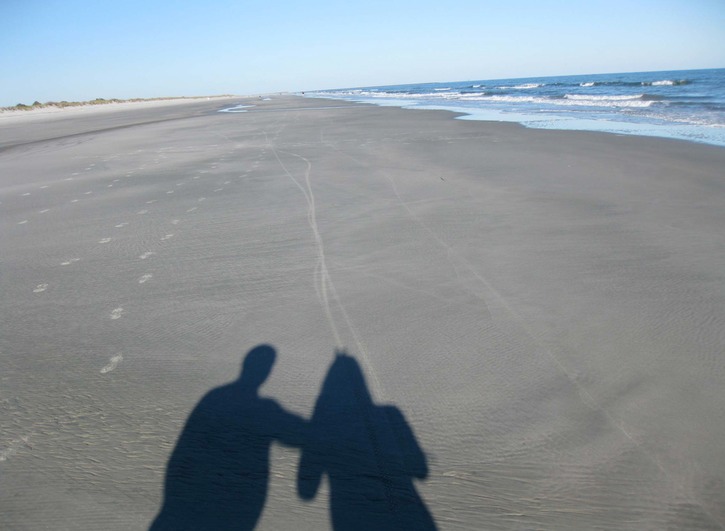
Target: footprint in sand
{"x": 12, "y": 448}
{"x": 40, "y": 288}
{"x": 104, "y": 240}
{"x": 145, "y": 255}
{"x": 112, "y": 364}
{"x": 117, "y": 313}
{"x": 145, "y": 278}
{"x": 69, "y": 262}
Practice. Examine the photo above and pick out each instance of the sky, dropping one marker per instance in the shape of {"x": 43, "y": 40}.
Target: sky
{"x": 84, "y": 49}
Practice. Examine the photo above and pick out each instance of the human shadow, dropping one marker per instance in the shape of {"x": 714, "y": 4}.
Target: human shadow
{"x": 369, "y": 454}
{"x": 218, "y": 473}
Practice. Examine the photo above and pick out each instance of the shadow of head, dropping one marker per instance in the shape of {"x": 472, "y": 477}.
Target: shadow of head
{"x": 257, "y": 366}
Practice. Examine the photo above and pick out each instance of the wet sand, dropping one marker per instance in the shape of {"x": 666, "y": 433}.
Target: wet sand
{"x": 543, "y": 312}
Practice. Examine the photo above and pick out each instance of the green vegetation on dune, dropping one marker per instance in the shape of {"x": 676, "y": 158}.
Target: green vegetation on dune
{"x": 97, "y": 101}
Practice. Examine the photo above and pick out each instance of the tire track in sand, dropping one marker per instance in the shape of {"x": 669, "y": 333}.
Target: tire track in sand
{"x": 324, "y": 286}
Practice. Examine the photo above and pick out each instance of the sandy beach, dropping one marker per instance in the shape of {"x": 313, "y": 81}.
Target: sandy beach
{"x": 533, "y": 321}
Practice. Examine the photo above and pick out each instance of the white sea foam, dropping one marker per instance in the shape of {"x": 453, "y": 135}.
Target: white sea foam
{"x": 569, "y": 100}
{"x": 237, "y": 108}
{"x": 523, "y": 86}
{"x": 634, "y": 100}
{"x": 623, "y": 97}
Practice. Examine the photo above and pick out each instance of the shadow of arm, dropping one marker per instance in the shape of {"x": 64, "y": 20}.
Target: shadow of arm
{"x": 290, "y": 429}
{"x": 309, "y": 475}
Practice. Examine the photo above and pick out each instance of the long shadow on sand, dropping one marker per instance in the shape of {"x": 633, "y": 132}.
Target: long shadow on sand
{"x": 369, "y": 454}
{"x": 218, "y": 474}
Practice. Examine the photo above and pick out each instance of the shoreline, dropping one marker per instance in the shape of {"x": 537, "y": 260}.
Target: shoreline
{"x": 548, "y": 122}
{"x": 470, "y": 115}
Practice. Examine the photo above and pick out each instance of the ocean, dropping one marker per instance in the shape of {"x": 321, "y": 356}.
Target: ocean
{"x": 682, "y": 104}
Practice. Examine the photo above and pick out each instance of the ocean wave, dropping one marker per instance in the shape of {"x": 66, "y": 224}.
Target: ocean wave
{"x": 658, "y": 83}
{"x": 623, "y": 97}
{"x": 574, "y": 100}
{"x": 634, "y": 100}
{"x": 523, "y": 86}
{"x": 570, "y": 100}
{"x": 667, "y": 83}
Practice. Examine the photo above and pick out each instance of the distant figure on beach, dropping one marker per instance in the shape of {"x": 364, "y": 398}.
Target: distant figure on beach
{"x": 218, "y": 474}
{"x": 369, "y": 454}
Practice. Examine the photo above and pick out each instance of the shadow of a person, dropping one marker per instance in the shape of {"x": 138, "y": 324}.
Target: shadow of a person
{"x": 218, "y": 473}
{"x": 369, "y": 454}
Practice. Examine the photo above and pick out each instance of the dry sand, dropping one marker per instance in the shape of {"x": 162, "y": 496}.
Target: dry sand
{"x": 543, "y": 310}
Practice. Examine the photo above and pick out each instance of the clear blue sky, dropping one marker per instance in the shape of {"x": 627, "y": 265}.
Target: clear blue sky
{"x": 83, "y": 49}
